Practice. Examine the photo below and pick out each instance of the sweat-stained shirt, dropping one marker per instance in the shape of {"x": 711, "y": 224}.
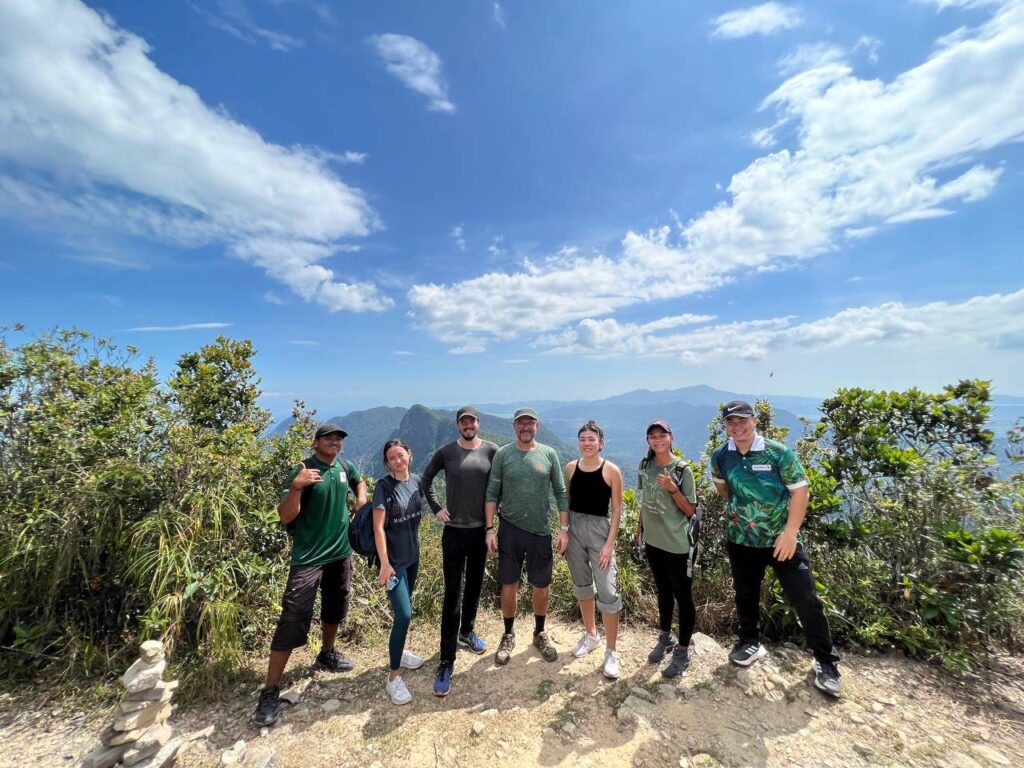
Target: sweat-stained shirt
{"x": 522, "y": 483}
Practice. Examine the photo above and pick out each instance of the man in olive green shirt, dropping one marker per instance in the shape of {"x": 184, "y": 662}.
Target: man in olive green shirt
{"x": 524, "y": 476}
{"x": 315, "y": 509}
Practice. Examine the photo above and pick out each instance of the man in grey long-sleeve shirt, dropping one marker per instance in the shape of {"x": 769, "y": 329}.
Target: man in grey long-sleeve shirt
{"x": 524, "y": 476}
{"x": 466, "y": 463}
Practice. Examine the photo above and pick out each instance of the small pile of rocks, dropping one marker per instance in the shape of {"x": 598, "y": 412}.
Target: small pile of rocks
{"x": 139, "y": 735}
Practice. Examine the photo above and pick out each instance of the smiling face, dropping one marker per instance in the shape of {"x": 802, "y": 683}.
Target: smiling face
{"x": 468, "y": 427}
{"x": 741, "y": 429}
{"x": 659, "y": 441}
{"x": 526, "y": 430}
{"x": 590, "y": 444}
{"x": 397, "y": 459}
{"x": 328, "y": 447}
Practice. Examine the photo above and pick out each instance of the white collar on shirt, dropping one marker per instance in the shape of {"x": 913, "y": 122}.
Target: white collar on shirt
{"x": 757, "y": 445}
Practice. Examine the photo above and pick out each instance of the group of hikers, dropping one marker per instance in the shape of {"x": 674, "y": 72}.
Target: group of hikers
{"x": 498, "y": 500}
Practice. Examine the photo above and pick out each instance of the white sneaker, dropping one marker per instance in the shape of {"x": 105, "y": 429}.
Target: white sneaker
{"x": 611, "y": 665}
{"x": 587, "y": 644}
{"x": 411, "y": 661}
{"x": 397, "y": 691}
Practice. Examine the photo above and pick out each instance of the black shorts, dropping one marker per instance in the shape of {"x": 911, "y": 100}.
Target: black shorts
{"x": 516, "y": 545}
{"x": 334, "y": 580}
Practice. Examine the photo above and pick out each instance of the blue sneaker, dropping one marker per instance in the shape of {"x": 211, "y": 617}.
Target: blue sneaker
{"x": 443, "y": 679}
{"x": 471, "y": 641}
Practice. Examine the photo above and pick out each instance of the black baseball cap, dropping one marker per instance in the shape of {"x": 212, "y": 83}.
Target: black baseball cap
{"x": 737, "y": 408}
{"x": 329, "y": 429}
{"x": 525, "y": 413}
{"x": 467, "y": 410}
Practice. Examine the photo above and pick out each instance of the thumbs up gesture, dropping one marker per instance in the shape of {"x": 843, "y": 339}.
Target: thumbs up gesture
{"x": 306, "y": 477}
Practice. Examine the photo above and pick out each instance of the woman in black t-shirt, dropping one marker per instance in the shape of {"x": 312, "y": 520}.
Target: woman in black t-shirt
{"x": 397, "y": 512}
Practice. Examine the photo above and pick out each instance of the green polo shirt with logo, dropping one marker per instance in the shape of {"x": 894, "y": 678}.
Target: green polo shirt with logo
{"x": 320, "y": 532}
{"x": 759, "y": 483}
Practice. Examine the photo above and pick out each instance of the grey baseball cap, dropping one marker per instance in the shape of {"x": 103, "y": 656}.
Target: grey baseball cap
{"x": 467, "y": 410}
{"x": 659, "y": 423}
{"x": 525, "y": 413}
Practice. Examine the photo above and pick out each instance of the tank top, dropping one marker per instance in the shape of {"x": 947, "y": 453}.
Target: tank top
{"x": 589, "y": 494}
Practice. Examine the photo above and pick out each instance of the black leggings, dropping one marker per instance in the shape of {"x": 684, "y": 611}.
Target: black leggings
{"x": 674, "y": 588}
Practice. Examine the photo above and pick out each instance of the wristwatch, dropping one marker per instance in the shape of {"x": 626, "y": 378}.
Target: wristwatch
{"x": 489, "y": 528}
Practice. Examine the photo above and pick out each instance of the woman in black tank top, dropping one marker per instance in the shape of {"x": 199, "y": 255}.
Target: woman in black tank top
{"x": 595, "y": 506}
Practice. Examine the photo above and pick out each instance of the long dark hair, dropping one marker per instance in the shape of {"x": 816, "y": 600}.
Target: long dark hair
{"x": 391, "y": 444}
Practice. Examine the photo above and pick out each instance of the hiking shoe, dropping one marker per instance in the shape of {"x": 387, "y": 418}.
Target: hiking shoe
{"x": 397, "y": 691}
{"x": 666, "y": 642}
{"x": 268, "y": 711}
{"x": 611, "y": 665}
{"x": 472, "y": 642}
{"x": 508, "y": 642}
{"x": 826, "y": 677}
{"x": 333, "y": 661}
{"x": 745, "y": 654}
{"x": 543, "y": 644}
{"x": 443, "y": 679}
{"x": 411, "y": 661}
{"x": 680, "y": 661}
{"x": 587, "y": 644}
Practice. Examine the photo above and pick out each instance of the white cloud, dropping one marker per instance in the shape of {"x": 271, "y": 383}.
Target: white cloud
{"x": 984, "y": 322}
{"x": 868, "y": 154}
{"x": 186, "y": 327}
{"x": 304, "y": 343}
{"x": 416, "y": 66}
{"x": 272, "y": 298}
{"x": 941, "y": 5}
{"x": 809, "y": 56}
{"x": 458, "y": 235}
{"x": 100, "y": 140}
{"x": 766, "y": 19}
{"x": 403, "y": 353}
{"x": 356, "y": 158}
{"x": 498, "y": 13}
{"x": 235, "y": 18}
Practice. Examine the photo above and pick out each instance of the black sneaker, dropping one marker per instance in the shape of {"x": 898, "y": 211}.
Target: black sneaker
{"x": 680, "y": 661}
{"x": 268, "y": 711}
{"x": 826, "y": 677}
{"x": 745, "y": 654}
{"x": 666, "y": 642}
{"x": 333, "y": 661}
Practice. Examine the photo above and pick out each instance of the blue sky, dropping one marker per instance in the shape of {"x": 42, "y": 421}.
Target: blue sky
{"x": 480, "y": 201}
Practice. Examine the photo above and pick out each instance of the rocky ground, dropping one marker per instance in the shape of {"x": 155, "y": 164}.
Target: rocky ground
{"x": 893, "y": 712}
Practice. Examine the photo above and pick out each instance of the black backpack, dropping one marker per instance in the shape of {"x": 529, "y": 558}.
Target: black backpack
{"x": 360, "y": 527}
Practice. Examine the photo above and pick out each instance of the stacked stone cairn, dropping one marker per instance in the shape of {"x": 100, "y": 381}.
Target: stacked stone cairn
{"x": 139, "y": 735}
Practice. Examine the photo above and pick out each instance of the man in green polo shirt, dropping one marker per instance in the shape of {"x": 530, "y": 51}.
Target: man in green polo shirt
{"x": 315, "y": 509}
{"x": 524, "y": 476}
{"x": 765, "y": 489}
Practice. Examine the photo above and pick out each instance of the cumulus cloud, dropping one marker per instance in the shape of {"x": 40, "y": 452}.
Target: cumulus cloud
{"x": 986, "y": 322}
{"x": 869, "y": 154}
{"x": 416, "y": 66}
{"x": 766, "y": 19}
{"x": 97, "y": 138}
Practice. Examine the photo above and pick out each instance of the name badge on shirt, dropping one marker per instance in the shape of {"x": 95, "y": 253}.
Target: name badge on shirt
{"x": 342, "y": 477}
{"x": 761, "y": 467}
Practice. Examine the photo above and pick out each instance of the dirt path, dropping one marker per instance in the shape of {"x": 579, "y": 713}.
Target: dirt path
{"x": 893, "y": 712}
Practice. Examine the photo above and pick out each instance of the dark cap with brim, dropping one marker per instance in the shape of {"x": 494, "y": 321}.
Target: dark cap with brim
{"x": 329, "y": 429}
{"x": 737, "y": 408}
{"x": 659, "y": 423}
{"x": 467, "y": 410}
{"x": 525, "y": 413}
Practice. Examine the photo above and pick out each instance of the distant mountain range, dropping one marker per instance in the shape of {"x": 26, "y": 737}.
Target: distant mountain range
{"x": 624, "y": 418}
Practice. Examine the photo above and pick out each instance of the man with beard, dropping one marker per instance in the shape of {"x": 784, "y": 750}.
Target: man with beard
{"x": 524, "y": 475}
{"x": 466, "y": 463}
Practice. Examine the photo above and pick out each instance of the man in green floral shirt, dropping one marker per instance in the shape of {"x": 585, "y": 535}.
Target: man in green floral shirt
{"x": 765, "y": 489}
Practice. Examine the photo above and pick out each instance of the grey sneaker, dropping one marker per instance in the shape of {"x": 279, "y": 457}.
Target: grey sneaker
{"x": 543, "y": 644}
{"x": 666, "y": 642}
{"x": 680, "y": 661}
{"x": 508, "y": 642}
{"x": 826, "y": 677}
{"x": 745, "y": 654}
